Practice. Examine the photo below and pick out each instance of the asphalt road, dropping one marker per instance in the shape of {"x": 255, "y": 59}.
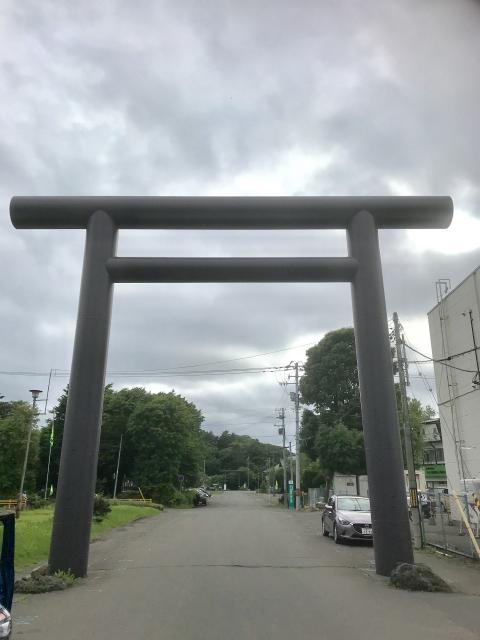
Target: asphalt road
{"x": 238, "y": 568}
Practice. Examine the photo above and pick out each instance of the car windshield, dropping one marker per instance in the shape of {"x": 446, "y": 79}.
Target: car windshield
{"x": 353, "y": 504}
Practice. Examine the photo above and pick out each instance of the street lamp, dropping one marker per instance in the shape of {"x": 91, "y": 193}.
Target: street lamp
{"x": 35, "y": 393}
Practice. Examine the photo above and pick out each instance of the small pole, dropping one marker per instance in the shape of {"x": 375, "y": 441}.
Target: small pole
{"x": 49, "y": 458}
{"x": 118, "y": 466}
{"x": 35, "y": 393}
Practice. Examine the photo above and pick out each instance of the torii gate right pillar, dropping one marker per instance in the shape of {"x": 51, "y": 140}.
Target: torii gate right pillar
{"x": 383, "y": 449}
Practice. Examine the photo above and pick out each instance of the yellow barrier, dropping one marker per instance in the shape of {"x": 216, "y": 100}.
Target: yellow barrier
{"x": 145, "y": 500}
{"x": 12, "y": 503}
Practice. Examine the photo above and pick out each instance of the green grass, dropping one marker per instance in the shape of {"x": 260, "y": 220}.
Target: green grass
{"x": 34, "y": 528}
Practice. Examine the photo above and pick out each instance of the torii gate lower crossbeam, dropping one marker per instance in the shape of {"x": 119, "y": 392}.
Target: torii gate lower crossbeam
{"x": 103, "y": 216}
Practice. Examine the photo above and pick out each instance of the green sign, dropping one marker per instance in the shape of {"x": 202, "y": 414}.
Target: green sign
{"x": 435, "y": 471}
{"x": 291, "y": 495}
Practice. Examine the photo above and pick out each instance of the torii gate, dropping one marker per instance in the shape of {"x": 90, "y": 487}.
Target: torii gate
{"x": 103, "y": 216}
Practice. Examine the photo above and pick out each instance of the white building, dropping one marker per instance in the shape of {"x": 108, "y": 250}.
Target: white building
{"x": 454, "y": 333}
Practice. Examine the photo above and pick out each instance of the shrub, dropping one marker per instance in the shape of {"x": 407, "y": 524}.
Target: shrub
{"x": 41, "y": 581}
{"x": 101, "y": 508}
{"x": 417, "y": 577}
{"x": 168, "y": 495}
{"x": 184, "y": 498}
{"x": 35, "y": 501}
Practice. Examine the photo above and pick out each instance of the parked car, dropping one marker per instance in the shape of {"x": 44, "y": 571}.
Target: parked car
{"x": 347, "y": 517}
{"x": 5, "y": 623}
{"x": 200, "y": 498}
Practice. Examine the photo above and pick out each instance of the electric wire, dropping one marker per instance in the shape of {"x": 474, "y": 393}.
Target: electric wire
{"x": 445, "y": 423}
{"x": 140, "y": 372}
{"x": 442, "y": 362}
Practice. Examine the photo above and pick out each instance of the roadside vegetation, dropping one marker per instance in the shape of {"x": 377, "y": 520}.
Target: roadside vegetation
{"x": 332, "y": 431}
{"x": 165, "y": 451}
{"x": 34, "y": 529}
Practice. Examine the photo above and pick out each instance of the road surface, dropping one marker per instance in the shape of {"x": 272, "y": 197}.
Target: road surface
{"x": 238, "y": 568}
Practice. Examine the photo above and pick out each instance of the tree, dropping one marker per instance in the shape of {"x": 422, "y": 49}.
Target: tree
{"x": 313, "y": 475}
{"x": 118, "y": 406}
{"x": 57, "y": 423}
{"x": 14, "y": 429}
{"x": 310, "y": 426}
{"x": 417, "y": 414}
{"x": 330, "y": 382}
{"x": 126, "y": 413}
{"x": 163, "y": 435}
{"x": 340, "y": 450}
{"x": 236, "y": 458}
{"x": 331, "y": 430}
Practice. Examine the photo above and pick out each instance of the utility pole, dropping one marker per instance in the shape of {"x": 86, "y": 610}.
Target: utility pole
{"x": 412, "y": 479}
{"x": 297, "y": 445}
{"x": 269, "y": 475}
{"x": 248, "y": 473}
{"x": 281, "y": 416}
{"x": 118, "y": 466}
{"x": 295, "y": 397}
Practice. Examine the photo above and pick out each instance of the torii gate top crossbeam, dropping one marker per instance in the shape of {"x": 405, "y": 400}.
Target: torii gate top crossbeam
{"x": 296, "y": 212}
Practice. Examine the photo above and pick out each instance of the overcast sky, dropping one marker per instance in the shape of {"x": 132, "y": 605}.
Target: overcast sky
{"x": 312, "y": 97}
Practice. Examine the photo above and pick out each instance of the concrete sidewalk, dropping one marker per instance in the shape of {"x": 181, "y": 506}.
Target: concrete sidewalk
{"x": 462, "y": 574}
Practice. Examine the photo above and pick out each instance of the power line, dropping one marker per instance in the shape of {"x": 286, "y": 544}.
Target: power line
{"x": 63, "y": 373}
{"x": 439, "y": 361}
{"x": 463, "y": 467}
{"x": 66, "y": 372}
{"x": 256, "y": 355}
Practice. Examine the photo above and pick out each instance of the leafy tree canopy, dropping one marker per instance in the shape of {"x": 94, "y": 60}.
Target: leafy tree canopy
{"x": 14, "y": 429}
{"x": 340, "y": 450}
{"x": 330, "y": 382}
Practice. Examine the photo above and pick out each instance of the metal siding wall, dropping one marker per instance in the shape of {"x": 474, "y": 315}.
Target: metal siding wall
{"x": 466, "y": 415}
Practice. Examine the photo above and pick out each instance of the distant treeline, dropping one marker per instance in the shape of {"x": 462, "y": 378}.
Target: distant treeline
{"x": 164, "y": 448}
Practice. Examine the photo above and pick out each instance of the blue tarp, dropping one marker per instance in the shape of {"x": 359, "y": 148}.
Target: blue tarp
{"x": 7, "y": 571}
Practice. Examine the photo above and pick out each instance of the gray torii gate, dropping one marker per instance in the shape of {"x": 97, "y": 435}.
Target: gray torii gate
{"x": 103, "y": 216}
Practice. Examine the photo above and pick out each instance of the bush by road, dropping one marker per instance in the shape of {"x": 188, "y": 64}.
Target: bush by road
{"x": 34, "y": 529}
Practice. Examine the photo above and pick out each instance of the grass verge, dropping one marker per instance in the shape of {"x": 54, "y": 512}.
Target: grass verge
{"x": 34, "y": 529}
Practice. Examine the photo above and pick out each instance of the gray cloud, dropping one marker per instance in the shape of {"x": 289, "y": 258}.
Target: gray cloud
{"x": 195, "y": 98}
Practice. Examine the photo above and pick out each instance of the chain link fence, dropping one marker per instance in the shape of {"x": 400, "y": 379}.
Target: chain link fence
{"x": 451, "y": 522}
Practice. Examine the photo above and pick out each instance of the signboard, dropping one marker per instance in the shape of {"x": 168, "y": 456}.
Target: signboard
{"x": 435, "y": 471}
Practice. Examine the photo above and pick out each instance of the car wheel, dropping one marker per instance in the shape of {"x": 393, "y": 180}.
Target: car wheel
{"x": 324, "y": 531}
{"x": 336, "y": 537}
